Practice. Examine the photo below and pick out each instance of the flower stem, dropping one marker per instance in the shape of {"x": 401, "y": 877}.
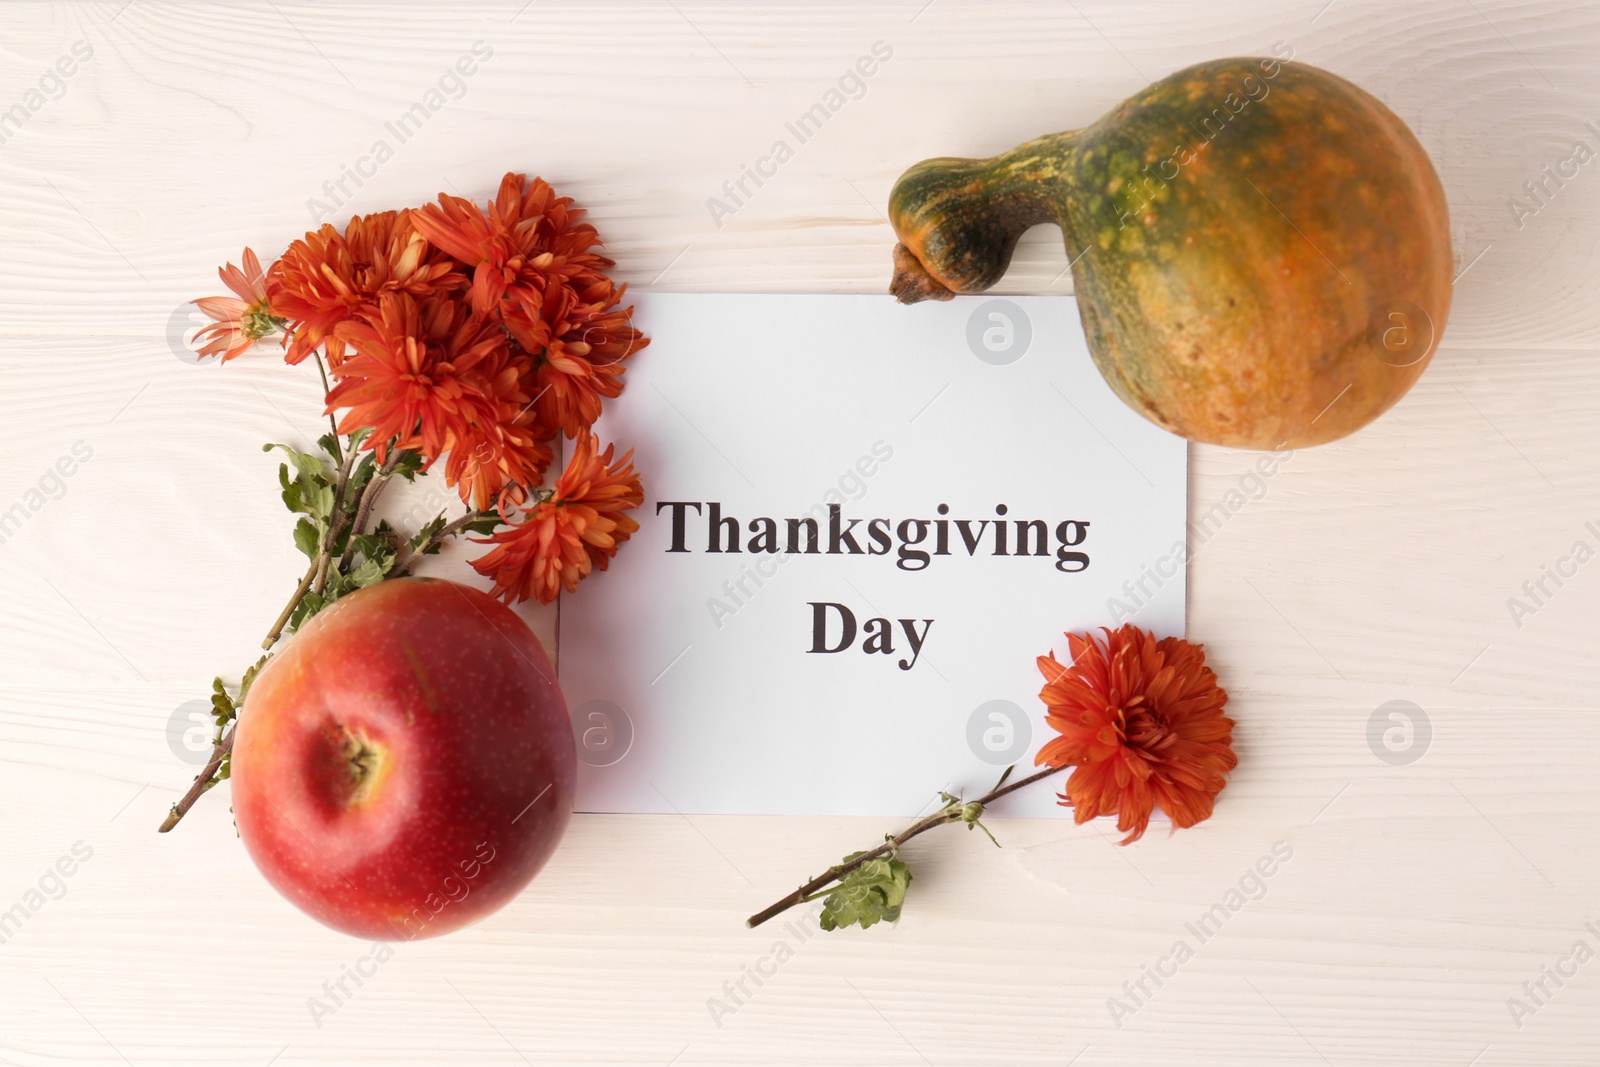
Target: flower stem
{"x": 202, "y": 783}
{"x": 369, "y": 497}
{"x": 335, "y": 527}
{"x": 322, "y": 369}
{"x": 949, "y": 813}
{"x": 443, "y": 534}
{"x": 294, "y": 601}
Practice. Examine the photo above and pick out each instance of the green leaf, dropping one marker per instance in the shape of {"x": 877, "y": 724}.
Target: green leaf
{"x": 377, "y": 550}
{"x": 309, "y": 605}
{"x": 380, "y": 544}
{"x": 429, "y": 528}
{"x": 222, "y": 705}
{"x": 250, "y": 676}
{"x": 224, "y": 709}
{"x": 409, "y": 465}
{"x": 873, "y": 892}
{"x": 309, "y": 466}
{"x": 307, "y": 537}
{"x": 310, "y": 491}
{"x": 369, "y": 572}
{"x": 359, "y": 477}
{"x": 319, "y": 500}
{"x": 485, "y": 526}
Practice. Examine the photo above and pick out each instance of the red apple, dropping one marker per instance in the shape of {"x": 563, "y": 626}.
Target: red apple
{"x": 405, "y": 765}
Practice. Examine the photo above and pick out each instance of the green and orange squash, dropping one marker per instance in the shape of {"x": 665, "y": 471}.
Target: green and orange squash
{"x": 1260, "y": 249}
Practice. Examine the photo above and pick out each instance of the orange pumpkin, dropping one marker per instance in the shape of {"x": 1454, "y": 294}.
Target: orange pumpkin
{"x": 1261, "y": 250}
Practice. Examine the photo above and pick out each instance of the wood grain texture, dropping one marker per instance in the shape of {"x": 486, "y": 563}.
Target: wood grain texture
{"x": 1418, "y": 898}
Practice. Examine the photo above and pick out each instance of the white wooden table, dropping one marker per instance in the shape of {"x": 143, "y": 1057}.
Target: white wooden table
{"x": 1419, "y": 897}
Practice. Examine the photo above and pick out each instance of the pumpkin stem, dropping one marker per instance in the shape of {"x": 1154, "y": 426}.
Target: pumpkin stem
{"x": 912, "y": 283}
{"x": 959, "y": 220}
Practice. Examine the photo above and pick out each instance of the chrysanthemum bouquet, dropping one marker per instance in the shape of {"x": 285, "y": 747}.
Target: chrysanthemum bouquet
{"x": 457, "y": 336}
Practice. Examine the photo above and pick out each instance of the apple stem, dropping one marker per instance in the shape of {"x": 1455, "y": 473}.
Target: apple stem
{"x": 953, "y": 811}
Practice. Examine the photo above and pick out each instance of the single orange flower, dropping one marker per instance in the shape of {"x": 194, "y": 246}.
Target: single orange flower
{"x": 236, "y": 324}
{"x": 504, "y": 449}
{"x": 1141, "y": 721}
{"x": 585, "y": 338}
{"x": 415, "y": 374}
{"x": 328, "y": 277}
{"x": 527, "y": 240}
{"x": 495, "y": 465}
{"x": 575, "y": 526}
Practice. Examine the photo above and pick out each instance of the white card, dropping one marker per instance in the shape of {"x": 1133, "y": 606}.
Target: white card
{"x": 698, "y": 680}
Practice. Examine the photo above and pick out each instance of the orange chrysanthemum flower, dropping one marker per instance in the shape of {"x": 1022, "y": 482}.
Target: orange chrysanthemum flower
{"x": 433, "y": 377}
{"x": 573, "y": 529}
{"x": 527, "y": 241}
{"x": 326, "y": 277}
{"x": 236, "y": 324}
{"x": 585, "y": 337}
{"x": 494, "y": 463}
{"x": 1141, "y": 720}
